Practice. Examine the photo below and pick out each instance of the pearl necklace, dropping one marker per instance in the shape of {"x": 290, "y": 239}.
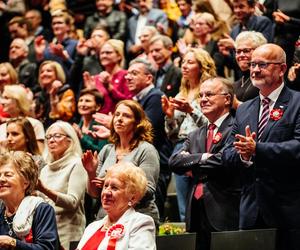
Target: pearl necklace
{"x": 9, "y": 224}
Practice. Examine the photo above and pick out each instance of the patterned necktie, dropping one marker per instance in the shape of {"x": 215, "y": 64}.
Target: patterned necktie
{"x": 264, "y": 117}
{"x": 209, "y": 139}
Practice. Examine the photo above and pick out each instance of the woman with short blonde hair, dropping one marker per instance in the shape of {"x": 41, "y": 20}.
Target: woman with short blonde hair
{"x": 111, "y": 82}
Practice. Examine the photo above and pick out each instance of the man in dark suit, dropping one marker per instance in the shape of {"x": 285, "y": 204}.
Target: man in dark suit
{"x": 213, "y": 204}
{"x": 146, "y": 16}
{"x": 140, "y": 82}
{"x": 265, "y": 143}
{"x": 168, "y": 76}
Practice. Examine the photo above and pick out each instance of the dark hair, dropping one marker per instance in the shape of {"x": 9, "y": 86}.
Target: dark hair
{"x": 28, "y": 132}
{"x": 143, "y": 130}
{"x": 189, "y": 2}
{"x": 94, "y": 92}
{"x": 251, "y": 3}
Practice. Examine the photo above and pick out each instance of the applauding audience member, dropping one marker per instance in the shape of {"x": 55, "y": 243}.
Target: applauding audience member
{"x": 124, "y": 186}
{"x": 63, "y": 181}
{"x": 131, "y": 137}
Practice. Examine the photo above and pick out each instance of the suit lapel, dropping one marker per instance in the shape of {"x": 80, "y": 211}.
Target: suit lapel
{"x": 224, "y": 126}
{"x": 251, "y": 118}
{"x": 281, "y": 103}
{"x": 202, "y": 140}
{"x": 167, "y": 78}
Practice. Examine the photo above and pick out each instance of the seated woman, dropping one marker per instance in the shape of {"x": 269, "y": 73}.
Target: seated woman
{"x": 27, "y": 222}
{"x": 124, "y": 186}
{"x": 16, "y": 102}
{"x": 63, "y": 181}
{"x": 21, "y": 137}
{"x": 131, "y": 137}
{"x": 56, "y": 100}
{"x": 90, "y": 101}
{"x": 111, "y": 82}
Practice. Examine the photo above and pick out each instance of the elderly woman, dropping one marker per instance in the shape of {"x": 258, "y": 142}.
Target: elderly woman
{"x": 111, "y": 82}
{"x": 124, "y": 186}
{"x": 131, "y": 137}
{"x": 27, "y": 222}
{"x": 245, "y": 43}
{"x": 183, "y": 113}
{"x": 90, "y": 101}
{"x": 63, "y": 181}
{"x": 56, "y": 101}
{"x": 16, "y": 102}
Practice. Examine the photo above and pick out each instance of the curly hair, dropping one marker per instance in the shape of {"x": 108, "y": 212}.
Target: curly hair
{"x": 143, "y": 130}
{"x": 207, "y": 68}
{"x": 132, "y": 176}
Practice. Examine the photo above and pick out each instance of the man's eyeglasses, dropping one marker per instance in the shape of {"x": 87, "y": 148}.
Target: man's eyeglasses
{"x": 56, "y": 136}
{"x": 209, "y": 95}
{"x": 262, "y": 65}
{"x": 244, "y": 51}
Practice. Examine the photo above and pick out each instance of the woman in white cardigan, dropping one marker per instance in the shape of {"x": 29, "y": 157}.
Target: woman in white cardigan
{"x": 122, "y": 227}
{"x": 63, "y": 181}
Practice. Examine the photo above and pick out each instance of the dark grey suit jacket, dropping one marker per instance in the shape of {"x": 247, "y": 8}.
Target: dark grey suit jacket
{"x": 221, "y": 184}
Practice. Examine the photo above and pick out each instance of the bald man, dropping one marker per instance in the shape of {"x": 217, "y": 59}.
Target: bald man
{"x": 265, "y": 144}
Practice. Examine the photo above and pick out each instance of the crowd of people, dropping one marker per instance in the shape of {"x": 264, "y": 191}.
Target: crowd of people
{"x": 102, "y": 102}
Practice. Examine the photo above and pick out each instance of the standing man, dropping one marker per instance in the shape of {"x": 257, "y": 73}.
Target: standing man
{"x": 149, "y": 16}
{"x": 213, "y": 204}
{"x": 140, "y": 78}
{"x": 265, "y": 143}
{"x": 168, "y": 76}
{"x": 27, "y": 71}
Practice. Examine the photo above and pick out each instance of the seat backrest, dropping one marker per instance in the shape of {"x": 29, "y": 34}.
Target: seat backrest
{"x": 244, "y": 240}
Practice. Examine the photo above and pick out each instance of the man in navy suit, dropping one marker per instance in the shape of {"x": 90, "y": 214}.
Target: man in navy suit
{"x": 140, "y": 81}
{"x": 265, "y": 144}
{"x": 213, "y": 204}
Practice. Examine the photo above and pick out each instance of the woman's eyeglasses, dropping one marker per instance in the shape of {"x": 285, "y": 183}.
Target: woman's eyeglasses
{"x": 56, "y": 136}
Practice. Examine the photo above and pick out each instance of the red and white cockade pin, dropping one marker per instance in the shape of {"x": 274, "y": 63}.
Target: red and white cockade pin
{"x": 217, "y": 137}
{"x": 116, "y": 231}
{"x": 276, "y": 114}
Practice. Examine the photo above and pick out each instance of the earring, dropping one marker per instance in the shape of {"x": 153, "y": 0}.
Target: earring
{"x": 129, "y": 203}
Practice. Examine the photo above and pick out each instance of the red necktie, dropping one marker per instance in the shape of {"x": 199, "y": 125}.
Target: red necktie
{"x": 210, "y": 136}
{"x": 209, "y": 139}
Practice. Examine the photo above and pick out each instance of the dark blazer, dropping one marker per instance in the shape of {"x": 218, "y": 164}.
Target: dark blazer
{"x": 154, "y": 16}
{"x": 271, "y": 185}
{"x": 244, "y": 89}
{"x": 151, "y": 104}
{"x": 221, "y": 191}
{"x": 260, "y": 24}
{"x": 171, "y": 82}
